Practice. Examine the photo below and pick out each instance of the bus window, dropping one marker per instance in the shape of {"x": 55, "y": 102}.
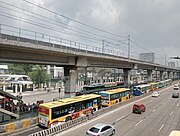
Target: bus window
{"x": 78, "y": 107}
{"x": 95, "y": 101}
{"x": 114, "y": 96}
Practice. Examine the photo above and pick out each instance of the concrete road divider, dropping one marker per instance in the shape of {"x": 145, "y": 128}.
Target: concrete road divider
{"x": 10, "y": 127}
{"x": 59, "y": 128}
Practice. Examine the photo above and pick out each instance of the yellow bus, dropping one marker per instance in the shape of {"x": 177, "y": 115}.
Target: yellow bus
{"x": 175, "y": 133}
{"x": 114, "y": 96}
{"x": 63, "y": 110}
{"x": 154, "y": 86}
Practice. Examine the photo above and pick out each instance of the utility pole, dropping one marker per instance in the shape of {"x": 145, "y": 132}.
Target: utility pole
{"x": 128, "y": 38}
{"x": 103, "y": 41}
{"x": 165, "y": 61}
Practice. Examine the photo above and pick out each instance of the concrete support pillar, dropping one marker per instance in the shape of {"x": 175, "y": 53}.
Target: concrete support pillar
{"x": 169, "y": 74}
{"x": 4, "y": 88}
{"x": 20, "y": 88}
{"x": 149, "y": 75}
{"x": 161, "y": 75}
{"x": 174, "y": 75}
{"x": 70, "y": 79}
{"x": 126, "y": 77}
{"x": 85, "y": 79}
{"x": 16, "y": 88}
{"x": 178, "y": 75}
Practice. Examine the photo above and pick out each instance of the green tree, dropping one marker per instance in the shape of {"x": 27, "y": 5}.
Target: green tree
{"x": 39, "y": 75}
{"x": 18, "y": 69}
{"x": 35, "y": 72}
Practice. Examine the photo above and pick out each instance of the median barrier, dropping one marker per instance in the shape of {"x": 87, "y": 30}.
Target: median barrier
{"x": 59, "y": 128}
{"x": 10, "y": 127}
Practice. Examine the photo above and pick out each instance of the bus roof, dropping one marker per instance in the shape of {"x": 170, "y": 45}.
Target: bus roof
{"x": 118, "y": 90}
{"x": 175, "y": 133}
{"x": 66, "y": 101}
{"x": 144, "y": 85}
{"x": 154, "y": 83}
{"x": 94, "y": 85}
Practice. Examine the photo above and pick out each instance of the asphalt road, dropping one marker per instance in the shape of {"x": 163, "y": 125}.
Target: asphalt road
{"x": 33, "y": 97}
{"x": 161, "y": 117}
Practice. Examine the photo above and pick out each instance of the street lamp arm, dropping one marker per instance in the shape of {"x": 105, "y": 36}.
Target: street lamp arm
{"x": 177, "y": 57}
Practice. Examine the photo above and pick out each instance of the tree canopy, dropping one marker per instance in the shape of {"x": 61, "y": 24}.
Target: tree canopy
{"x": 36, "y": 72}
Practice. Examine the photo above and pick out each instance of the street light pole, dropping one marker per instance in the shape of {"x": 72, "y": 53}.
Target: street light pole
{"x": 165, "y": 61}
{"x": 59, "y": 92}
{"x": 128, "y": 38}
{"x": 103, "y": 41}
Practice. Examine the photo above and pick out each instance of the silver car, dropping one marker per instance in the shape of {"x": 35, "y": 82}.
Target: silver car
{"x": 101, "y": 129}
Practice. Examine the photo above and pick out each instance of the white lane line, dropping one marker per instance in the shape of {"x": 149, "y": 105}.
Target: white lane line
{"x": 139, "y": 122}
{"x": 161, "y": 128}
{"x": 119, "y": 118}
{"x": 153, "y": 110}
{"x": 150, "y": 100}
{"x": 177, "y": 104}
{"x": 171, "y": 113}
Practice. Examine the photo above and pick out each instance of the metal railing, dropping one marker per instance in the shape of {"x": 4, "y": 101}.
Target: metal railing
{"x": 38, "y": 36}
{"x": 58, "y": 42}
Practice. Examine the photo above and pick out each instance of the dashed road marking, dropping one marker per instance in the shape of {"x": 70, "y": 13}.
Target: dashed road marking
{"x": 150, "y": 100}
{"x": 119, "y": 118}
{"x": 139, "y": 122}
{"x": 161, "y": 128}
{"x": 177, "y": 104}
{"x": 171, "y": 113}
{"x": 153, "y": 110}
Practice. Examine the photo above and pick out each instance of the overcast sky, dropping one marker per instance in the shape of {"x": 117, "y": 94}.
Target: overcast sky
{"x": 153, "y": 24}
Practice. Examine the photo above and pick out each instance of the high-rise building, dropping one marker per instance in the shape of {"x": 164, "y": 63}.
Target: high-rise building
{"x": 149, "y": 57}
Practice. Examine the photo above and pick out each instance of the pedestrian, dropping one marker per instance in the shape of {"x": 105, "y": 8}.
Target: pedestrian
{"x": 18, "y": 109}
{"x": 20, "y": 95}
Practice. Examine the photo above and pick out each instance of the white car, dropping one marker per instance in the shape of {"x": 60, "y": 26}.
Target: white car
{"x": 155, "y": 94}
{"x": 101, "y": 129}
{"x": 176, "y": 87}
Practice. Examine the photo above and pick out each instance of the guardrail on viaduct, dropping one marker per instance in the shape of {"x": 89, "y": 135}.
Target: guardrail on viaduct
{"x": 33, "y": 37}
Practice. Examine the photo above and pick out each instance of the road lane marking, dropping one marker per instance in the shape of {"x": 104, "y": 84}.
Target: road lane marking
{"x": 119, "y": 118}
{"x": 171, "y": 113}
{"x": 177, "y": 104}
{"x": 161, "y": 128}
{"x": 150, "y": 100}
{"x": 153, "y": 110}
{"x": 138, "y": 122}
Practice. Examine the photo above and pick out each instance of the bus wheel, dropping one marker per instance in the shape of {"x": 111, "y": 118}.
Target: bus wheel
{"x": 68, "y": 118}
{"x": 113, "y": 133}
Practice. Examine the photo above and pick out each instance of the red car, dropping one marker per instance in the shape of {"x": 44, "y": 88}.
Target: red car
{"x": 138, "y": 108}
